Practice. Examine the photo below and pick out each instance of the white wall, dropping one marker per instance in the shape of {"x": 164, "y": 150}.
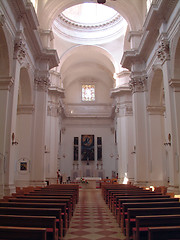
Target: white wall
{"x": 96, "y": 127}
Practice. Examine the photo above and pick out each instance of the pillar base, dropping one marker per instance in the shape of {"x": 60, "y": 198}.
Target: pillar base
{"x": 9, "y": 189}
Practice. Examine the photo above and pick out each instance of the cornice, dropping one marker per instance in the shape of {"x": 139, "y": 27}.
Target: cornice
{"x": 116, "y": 92}
{"x": 25, "y": 12}
{"x": 158, "y": 13}
{"x": 57, "y": 91}
{"x": 62, "y": 19}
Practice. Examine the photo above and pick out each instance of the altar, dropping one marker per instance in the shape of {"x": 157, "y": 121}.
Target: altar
{"x": 90, "y": 182}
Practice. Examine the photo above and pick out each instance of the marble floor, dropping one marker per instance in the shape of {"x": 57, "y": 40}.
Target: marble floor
{"x": 92, "y": 219}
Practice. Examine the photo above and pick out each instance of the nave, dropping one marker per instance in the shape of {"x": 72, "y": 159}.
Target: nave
{"x": 92, "y": 219}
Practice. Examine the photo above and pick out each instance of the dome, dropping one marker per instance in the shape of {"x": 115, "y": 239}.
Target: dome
{"x": 89, "y": 23}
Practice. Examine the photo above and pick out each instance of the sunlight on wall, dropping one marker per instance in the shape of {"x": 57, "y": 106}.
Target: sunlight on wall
{"x": 125, "y": 181}
{"x": 34, "y": 2}
{"x": 148, "y": 4}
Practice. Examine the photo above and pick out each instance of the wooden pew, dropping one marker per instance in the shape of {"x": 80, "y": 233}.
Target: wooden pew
{"x": 125, "y": 207}
{"x": 143, "y": 222}
{"x": 22, "y": 233}
{"x": 164, "y": 233}
{"x": 36, "y": 212}
{"x": 71, "y": 201}
{"x": 116, "y": 208}
{"x": 133, "y": 212}
{"x": 32, "y": 221}
{"x": 73, "y": 194}
{"x": 113, "y": 193}
{"x": 139, "y": 200}
{"x": 61, "y": 206}
{"x": 44, "y": 200}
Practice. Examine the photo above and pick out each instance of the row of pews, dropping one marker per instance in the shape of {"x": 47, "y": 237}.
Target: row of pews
{"x": 38, "y": 214}
{"x": 143, "y": 214}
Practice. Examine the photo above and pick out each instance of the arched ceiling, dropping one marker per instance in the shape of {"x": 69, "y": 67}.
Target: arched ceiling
{"x": 79, "y": 55}
{"x": 131, "y": 11}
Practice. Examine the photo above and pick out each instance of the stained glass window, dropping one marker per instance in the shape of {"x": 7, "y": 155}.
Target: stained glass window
{"x": 88, "y": 92}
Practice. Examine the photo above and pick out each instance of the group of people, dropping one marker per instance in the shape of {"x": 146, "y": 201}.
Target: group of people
{"x": 61, "y": 178}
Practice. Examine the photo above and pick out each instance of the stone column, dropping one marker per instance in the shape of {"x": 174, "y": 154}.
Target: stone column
{"x": 138, "y": 87}
{"x": 52, "y": 133}
{"x": 171, "y": 90}
{"x": 18, "y": 59}
{"x": 175, "y": 84}
{"x": 157, "y": 170}
{"x": 5, "y": 86}
{"x": 125, "y": 140}
{"x": 41, "y": 83}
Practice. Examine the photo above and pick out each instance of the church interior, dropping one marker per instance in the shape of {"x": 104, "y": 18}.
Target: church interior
{"x": 89, "y": 119}
{"x": 91, "y": 88}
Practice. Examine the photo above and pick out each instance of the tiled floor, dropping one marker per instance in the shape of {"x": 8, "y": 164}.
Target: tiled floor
{"x": 92, "y": 219}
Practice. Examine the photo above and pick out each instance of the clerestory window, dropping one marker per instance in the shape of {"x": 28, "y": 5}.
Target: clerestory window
{"x": 88, "y": 92}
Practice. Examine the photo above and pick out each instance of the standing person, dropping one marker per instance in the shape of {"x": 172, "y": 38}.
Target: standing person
{"x": 59, "y": 176}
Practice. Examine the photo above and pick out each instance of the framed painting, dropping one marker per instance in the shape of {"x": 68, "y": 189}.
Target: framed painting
{"x": 87, "y": 147}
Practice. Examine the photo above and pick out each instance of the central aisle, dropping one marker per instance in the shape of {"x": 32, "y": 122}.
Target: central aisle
{"x": 92, "y": 219}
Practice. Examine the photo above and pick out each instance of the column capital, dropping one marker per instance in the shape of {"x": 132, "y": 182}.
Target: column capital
{"x": 41, "y": 80}
{"x": 53, "y": 109}
{"x": 138, "y": 83}
{"x": 124, "y": 109}
{"x": 19, "y": 49}
{"x": 163, "y": 52}
{"x": 6, "y": 83}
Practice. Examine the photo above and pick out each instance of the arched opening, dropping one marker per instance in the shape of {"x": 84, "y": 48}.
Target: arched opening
{"x": 177, "y": 62}
{"x": 158, "y": 164}
{"x": 5, "y": 83}
{"x": 24, "y": 129}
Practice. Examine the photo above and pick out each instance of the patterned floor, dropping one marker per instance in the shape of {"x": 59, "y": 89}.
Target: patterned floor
{"x": 92, "y": 219}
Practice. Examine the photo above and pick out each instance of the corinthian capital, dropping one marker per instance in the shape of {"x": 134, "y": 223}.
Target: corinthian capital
{"x": 19, "y": 50}
{"x": 41, "y": 80}
{"x": 137, "y": 83}
{"x": 163, "y": 52}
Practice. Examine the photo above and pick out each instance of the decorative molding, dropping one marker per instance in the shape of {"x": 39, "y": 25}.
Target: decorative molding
{"x": 156, "y": 110}
{"x": 6, "y": 83}
{"x": 25, "y": 109}
{"x": 115, "y": 92}
{"x": 106, "y": 24}
{"x": 123, "y": 110}
{"x": 57, "y": 91}
{"x": 53, "y": 109}
{"x": 138, "y": 83}
{"x": 163, "y": 51}
{"x": 19, "y": 50}
{"x": 132, "y": 34}
{"x": 42, "y": 80}
{"x": 175, "y": 84}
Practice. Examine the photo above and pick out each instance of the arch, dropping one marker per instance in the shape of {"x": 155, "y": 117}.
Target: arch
{"x": 156, "y": 88}
{"x": 175, "y": 55}
{"x": 87, "y": 57}
{"x": 25, "y": 87}
{"x": 125, "y": 8}
{"x": 5, "y": 67}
